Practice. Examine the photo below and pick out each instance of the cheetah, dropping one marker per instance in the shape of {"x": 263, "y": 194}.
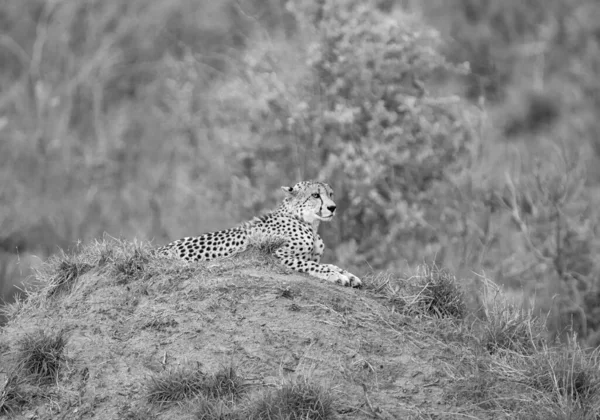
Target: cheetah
{"x": 296, "y": 219}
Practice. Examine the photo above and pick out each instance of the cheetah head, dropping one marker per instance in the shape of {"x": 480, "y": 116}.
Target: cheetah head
{"x": 311, "y": 201}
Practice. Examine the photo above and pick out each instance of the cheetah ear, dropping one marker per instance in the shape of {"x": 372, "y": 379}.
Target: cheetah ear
{"x": 289, "y": 190}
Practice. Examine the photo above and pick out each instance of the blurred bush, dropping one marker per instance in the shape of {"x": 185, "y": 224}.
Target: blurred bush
{"x": 535, "y": 64}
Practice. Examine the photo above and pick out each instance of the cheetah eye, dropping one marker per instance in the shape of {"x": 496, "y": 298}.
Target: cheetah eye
{"x": 315, "y": 195}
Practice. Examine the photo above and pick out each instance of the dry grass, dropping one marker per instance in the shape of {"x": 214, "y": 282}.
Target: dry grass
{"x": 431, "y": 291}
{"x": 225, "y": 385}
{"x": 502, "y": 364}
{"x": 496, "y": 359}
{"x": 208, "y": 409}
{"x": 66, "y": 275}
{"x": 12, "y": 395}
{"x": 190, "y": 383}
{"x": 513, "y": 372}
{"x": 218, "y": 396}
{"x": 41, "y": 354}
{"x": 265, "y": 243}
{"x": 132, "y": 266}
{"x": 298, "y": 400}
{"x": 511, "y": 327}
{"x": 569, "y": 375}
{"x": 555, "y": 383}
{"x": 183, "y": 383}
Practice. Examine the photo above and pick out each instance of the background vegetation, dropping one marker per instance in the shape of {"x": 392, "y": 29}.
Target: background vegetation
{"x": 460, "y": 131}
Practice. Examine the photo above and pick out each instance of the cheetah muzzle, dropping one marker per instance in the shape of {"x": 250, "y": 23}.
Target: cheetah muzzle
{"x": 296, "y": 219}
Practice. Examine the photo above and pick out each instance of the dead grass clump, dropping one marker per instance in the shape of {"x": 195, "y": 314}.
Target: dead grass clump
{"x": 431, "y": 291}
{"x": 132, "y": 267}
{"x": 128, "y": 261}
{"x": 513, "y": 329}
{"x": 569, "y": 375}
{"x": 294, "y": 401}
{"x": 561, "y": 382}
{"x": 41, "y": 354}
{"x": 265, "y": 243}
{"x": 175, "y": 386}
{"x": 226, "y": 385}
{"x": 66, "y": 275}
{"x": 441, "y": 296}
{"x": 12, "y": 396}
{"x": 190, "y": 383}
{"x": 506, "y": 325}
{"x": 260, "y": 252}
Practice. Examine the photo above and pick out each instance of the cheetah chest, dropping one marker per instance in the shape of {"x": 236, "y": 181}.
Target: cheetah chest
{"x": 302, "y": 240}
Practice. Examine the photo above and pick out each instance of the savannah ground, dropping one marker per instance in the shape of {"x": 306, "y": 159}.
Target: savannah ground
{"x": 115, "y": 333}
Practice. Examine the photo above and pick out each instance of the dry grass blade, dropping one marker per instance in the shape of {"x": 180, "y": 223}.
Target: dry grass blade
{"x": 132, "y": 266}
{"x": 66, "y": 275}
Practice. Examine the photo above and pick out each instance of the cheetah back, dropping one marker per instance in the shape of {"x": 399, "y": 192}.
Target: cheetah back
{"x": 209, "y": 246}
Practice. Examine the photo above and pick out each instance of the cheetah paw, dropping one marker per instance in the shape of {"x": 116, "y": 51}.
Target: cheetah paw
{"x": 354, "y": 281}
{"x": 339, "y": 278}
{"x": 345, "y": 279}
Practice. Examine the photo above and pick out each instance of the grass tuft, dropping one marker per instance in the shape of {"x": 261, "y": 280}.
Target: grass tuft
{"x": 442, "y": 296}
{"x": 226, "y": 384}
{"x": 511, "y": 328}
{"x": 507, "y": 326}
{"x": 431, "y": 291}
{"x": 132, "y": 267}
{"x": 265, "y": 243}
{"x": 570, "y": 375}
{"x": 12, "y": 397}
{"x": 67, "y": 273}
{"x": 189, "y": 383}
{"x": 175, "y": 386}
{"x": 41, "y": 354}
{"x": 294, "y": 401}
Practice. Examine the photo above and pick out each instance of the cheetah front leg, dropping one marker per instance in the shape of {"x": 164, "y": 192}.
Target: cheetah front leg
{"x": 327, "y": 272}
{"x": 317, "y": 251}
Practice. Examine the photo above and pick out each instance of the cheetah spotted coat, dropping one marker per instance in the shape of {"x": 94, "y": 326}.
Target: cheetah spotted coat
{"x": 296, "y": 219}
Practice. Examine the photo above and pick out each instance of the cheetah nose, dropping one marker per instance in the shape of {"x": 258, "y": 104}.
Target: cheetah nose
{"x": 331, "y": 208}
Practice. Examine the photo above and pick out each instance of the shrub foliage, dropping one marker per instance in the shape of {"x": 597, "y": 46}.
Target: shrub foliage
{"x": 370, "y": 119}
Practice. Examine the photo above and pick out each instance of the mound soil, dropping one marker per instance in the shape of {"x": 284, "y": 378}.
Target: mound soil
{"x": 270, "y": 324}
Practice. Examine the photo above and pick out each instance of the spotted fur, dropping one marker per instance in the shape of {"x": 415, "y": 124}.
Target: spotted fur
{"x": 296, "y": 219}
